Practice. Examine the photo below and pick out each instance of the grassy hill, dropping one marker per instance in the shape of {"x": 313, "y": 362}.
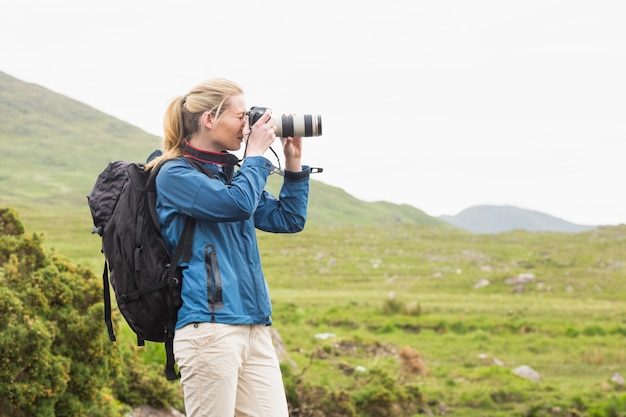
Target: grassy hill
{"x": 53, "y": 147}
{"x": 496, "y": 219}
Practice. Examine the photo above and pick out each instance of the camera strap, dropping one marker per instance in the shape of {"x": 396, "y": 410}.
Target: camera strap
{"x": 226, "y": 160}
{"x": 220, "y": 158}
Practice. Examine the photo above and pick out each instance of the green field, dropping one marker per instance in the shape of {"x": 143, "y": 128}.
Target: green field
{"x": 379, "y": 290}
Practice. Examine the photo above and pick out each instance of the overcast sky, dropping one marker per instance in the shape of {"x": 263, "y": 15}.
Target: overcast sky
{"x": 438, "y": 104}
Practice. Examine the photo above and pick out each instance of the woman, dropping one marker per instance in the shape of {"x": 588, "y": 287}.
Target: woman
{"x": 222, "y": 344}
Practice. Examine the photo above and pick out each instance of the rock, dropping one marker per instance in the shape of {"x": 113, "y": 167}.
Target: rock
{"x": 617, "y": 379}
{"x": 482, "y": 283}
{"x": 325, "y": 336}
{"x": 521, "y": 279}
{"x": 498, "y": 362}
{"x": 527, "y": 372}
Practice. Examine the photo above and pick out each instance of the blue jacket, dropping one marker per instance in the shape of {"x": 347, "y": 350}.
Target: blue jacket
{"x": 224, "y": 282}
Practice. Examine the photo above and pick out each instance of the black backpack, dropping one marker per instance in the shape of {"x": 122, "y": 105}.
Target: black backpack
{"x": 146, "y": 280}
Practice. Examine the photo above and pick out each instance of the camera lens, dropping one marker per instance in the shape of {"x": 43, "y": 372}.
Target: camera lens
{"x": 305, "y": 125}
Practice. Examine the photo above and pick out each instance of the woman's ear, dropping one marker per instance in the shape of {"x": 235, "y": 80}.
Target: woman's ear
{"x": 208, "y": 120}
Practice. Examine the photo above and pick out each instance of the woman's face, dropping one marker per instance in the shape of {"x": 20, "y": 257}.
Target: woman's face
{"x": 227, "y": 132}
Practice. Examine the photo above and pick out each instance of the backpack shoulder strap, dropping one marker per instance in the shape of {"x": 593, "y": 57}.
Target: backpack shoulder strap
{"x": 151, "y": 193}
{"x": 201, "y": 167}
{"x": 151, "y": 185}
{"x": 107, "y": 302}
{"x": 182, "y": 253}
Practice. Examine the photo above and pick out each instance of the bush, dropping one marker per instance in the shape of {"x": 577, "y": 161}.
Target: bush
{"x": 371, "y": 394}
{"x": 56, "y": 359}
{"x": 613, "y": 407}
{"x": 377, "y": 394}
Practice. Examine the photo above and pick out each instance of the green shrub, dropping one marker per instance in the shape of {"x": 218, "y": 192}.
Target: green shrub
{"x": 56, "y": 359}
{"x": 612, "y": 407}
{"x": 620, "y": 330}
{"x": 594, "y": 330}
{"x": 459, "y": 327}
{"x": 378, "y": 395}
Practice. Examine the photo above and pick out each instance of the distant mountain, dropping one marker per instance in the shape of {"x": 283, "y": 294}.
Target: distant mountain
{"x": 53, "y": 147}
{"x": 496, "y": 219}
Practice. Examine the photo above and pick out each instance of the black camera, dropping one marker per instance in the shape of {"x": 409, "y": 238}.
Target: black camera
{"x": 255, "y": 113}
{"x": 305, "y": 125}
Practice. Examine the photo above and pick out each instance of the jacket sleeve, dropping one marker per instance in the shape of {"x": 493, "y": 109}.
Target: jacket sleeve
{"x": 183, "y": 189}
{"x": 287, "y": 214}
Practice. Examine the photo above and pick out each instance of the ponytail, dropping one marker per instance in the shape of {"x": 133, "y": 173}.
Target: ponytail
{"x": 174, "y": 128}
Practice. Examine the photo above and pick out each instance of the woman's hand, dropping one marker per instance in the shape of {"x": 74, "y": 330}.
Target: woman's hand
{"x": 292, "y": 148}
{"x": 260, "y": 136}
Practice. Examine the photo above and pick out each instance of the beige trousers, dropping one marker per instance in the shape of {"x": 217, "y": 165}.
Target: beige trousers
{"x": 229, "y": 370}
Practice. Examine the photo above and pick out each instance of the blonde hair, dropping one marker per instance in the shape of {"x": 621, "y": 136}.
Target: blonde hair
{"x": 182, "y": 117}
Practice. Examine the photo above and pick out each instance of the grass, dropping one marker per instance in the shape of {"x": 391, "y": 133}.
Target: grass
{"x": 381, "y": 289}
{"x": 462, "y": 340}
{"x": 569, "y": 324}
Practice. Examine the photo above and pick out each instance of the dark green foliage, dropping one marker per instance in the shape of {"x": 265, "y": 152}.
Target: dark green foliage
{"x": 25, "y": 254}
{"x": 377, "y": 394}
{"x": 306, "y": 399}
{"x": 10, "y": 224}
{"x": 55, "y": 357}
{"x": 145, "y": 383}
{"x": 372, "y": 394}
{"x": 613, "y": 407}
{"x": 594, "y": 330}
